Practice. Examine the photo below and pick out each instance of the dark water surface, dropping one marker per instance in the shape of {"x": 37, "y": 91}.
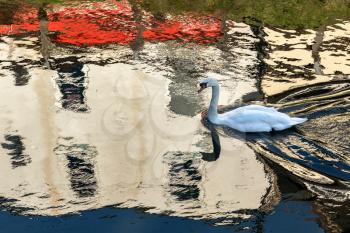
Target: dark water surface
{"x": 296, "y": 217}
{"x": 102, "y": 129}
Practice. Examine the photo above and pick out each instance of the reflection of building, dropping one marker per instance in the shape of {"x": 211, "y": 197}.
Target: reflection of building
{"x": 83, "y": 161}
{"x": 133, "y": 147}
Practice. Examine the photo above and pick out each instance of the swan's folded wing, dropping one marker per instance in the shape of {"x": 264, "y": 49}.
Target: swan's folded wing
{"x": 259, "y": 108}
{"x": 253, "y": 120}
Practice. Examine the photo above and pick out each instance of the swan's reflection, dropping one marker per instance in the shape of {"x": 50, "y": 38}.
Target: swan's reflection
{"x": 213, "y": 156}
{"x": 214, "y": 133}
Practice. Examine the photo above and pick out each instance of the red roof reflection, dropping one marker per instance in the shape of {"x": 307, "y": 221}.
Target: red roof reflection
{"x": 113, "y": 22}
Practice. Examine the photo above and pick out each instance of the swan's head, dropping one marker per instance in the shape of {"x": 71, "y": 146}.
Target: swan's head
{"x": 208, "y": 82}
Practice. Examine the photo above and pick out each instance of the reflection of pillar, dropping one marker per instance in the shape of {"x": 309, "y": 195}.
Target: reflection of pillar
{"x": 225, "y": 43}
{"x": 138, "y": 43}
{"x": 16, "y": 150}
{"x": 315, "y": 50}
{"x": 44, "y": 39}
{"x": 81, "y": 171}
{"x": 222, "y": 43}
{"x": 71, "y": 83}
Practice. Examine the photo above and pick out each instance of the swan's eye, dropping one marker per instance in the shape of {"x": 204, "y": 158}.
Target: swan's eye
{"x": 203, "y": 85}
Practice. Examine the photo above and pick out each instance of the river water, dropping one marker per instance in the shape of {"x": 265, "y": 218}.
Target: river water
{"x": 100, "y": 119}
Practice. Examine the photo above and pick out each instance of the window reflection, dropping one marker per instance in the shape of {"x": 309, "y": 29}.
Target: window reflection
{"x": 15, "y": 146}
{"x": 81, "y": 168}
{"x": 71, "y": 83}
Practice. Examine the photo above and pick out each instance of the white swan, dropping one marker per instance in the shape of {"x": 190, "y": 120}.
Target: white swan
{"x": 252, "y": 118}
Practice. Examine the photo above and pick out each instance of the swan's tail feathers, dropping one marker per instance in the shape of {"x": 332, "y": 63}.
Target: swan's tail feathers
{"x": 298, "y": 120}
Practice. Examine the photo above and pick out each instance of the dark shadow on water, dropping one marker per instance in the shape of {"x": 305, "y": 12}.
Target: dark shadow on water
{"x": 106, "y": 220}
{"x": 289, "y": 217}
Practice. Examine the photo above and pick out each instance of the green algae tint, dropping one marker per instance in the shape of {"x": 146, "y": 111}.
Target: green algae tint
{"x": 292, "y": 14}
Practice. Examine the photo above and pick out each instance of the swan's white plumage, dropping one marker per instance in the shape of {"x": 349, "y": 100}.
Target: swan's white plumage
{"x": 251, "y": 118}
{"x": 256, "y": 118}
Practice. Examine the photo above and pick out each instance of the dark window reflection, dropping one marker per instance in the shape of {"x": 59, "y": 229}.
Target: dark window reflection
{"x": 20, "y": 72}
{"x": 71, "y": 83}
{"x": 82, "y": 176}
{"x": 81, "y": 168}
{"x": 21, "y": 75}
{"x": 184, "y": 177}
{"x": 16, "y": 150}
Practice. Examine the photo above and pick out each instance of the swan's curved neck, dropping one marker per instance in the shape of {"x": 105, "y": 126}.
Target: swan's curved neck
{"x": 213, "y": 112}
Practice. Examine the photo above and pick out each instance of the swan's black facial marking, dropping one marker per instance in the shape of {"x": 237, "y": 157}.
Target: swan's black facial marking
{"x": 202, "y": 86}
